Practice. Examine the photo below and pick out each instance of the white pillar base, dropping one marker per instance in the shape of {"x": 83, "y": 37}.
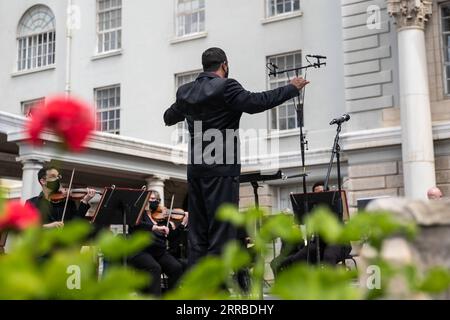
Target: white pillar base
{"x": 30, "y": 184}
{"x": 157, "y": 183}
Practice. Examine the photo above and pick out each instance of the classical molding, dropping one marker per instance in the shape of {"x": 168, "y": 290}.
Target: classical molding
{"x": 387, "y": 136}
{"x": 410, "y": 13}
{"x": 10, "y": 122}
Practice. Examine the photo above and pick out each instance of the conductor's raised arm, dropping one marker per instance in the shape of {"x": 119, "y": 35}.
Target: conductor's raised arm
{"x": 242, "y": 100}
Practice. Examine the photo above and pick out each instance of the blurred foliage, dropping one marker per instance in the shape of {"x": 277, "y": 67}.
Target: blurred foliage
{"x": 49, "y": 264}
{"x": 303, "y": 281}
{"x": 306, "y": 282}
{"x": 208, "y": 279}
{"x": 43, "y": 262}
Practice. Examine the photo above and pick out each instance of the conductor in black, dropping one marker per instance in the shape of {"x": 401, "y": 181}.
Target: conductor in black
{"x": 213, "y": 105}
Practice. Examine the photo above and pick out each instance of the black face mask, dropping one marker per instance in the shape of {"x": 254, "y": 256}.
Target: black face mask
{"x": 227, "y": 72}
{"x": 53, "y": 186}
{"x": 153, "y": 205}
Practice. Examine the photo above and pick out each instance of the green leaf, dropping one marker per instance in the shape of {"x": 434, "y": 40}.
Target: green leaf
{"x": 231, "y": 214}
{"x": 437, "y": 280}
{"x": 234, "y": 256}
{"x": 203, "y": 281}
{"x": 324, "y": 223}
{"x": 282, "y": 226}
{"x": 303, "y": 282}
{"x": 117, "y": 247}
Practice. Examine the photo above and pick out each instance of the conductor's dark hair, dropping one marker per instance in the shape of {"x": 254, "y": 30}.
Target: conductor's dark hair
{"x": 318, "y": 184}
{"x": 212, "y": 59}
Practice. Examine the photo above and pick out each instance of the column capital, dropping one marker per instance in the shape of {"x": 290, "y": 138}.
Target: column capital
{"x": 157, "y": 178}
{"x": 410, "y": 13}
{"x": 32, "y": 160}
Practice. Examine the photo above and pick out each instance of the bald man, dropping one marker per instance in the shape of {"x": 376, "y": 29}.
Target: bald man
{"x": 434, "y": 193}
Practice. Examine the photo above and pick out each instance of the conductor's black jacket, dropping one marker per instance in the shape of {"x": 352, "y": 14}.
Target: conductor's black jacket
{"x": 213, "y": 107}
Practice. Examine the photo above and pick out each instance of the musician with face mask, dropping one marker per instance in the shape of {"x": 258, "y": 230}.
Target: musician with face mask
{"x": 52, "y": 212}
{"x": 155, "y": 259}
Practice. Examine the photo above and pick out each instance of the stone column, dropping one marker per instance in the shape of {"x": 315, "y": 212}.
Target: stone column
{"x": 157, "y": 183}
{"x": 417, "y": 138}
{"x": 30, "y": 183}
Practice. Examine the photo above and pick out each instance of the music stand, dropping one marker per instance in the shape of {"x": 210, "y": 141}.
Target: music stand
{"x": 336, "y": 201}
{"x": 254, "y": 178}
{"x": 121, "y": 206}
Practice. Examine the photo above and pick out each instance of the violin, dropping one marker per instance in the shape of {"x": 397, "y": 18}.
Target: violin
{"x": 161, "y": 215}
{"x": 75, "y": 194}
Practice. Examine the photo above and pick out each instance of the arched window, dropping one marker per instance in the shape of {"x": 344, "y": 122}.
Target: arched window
{"x": 36, "y": 38}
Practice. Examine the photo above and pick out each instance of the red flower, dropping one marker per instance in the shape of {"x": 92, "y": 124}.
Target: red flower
{"x": 19, "y": 216}
{"x": 69, "y": 118}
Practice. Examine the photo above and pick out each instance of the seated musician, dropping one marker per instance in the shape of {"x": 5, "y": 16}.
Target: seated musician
{"x": 52, "y": 211}
{"x": 329, "y": 254}
{"x": 155, "y": 259}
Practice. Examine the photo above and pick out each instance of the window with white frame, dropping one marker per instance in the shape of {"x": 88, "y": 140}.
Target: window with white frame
{"x": 36, "y": 39}
{"x": 190, "y": 17}
{"x": 277, "y": 7}
{"x": 108, "y": 109}
{"x": 445, "y": 27}
{"x": 284, "y": 197}
{"x": 28, "y": 106}
{"x": 284, "y": 116}
{"x": 109, "y": 25}
{"x": 182, "y": 128}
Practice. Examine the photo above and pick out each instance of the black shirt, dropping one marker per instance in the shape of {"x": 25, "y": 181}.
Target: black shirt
{"x": 219, "y": 104}
{"x": 159, "y": 243}
{"x": 52, "y": 212}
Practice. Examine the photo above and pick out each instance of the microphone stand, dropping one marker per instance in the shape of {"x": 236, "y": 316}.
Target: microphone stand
{"x": 335, "y": 152}
{"x": 300, "y": 120}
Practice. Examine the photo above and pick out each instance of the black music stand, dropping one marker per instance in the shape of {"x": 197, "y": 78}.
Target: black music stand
{"x": 254, "y": 178}
{"x": 336, "y": 201}
{"x": 121, "y": 206}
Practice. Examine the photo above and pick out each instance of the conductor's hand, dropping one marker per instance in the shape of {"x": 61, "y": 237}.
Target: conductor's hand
{"x": 163, "y": 230}
{"x": 299, "y": 83}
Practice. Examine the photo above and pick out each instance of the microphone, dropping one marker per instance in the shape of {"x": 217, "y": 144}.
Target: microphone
{"x": 316, "y": 56}
{"x": 344, "y": 118}
{"x": 273, "y": 71}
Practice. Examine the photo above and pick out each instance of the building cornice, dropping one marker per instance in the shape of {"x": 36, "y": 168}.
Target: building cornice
{"x": 387, "y": 136}
{"x": 13, "y": 126}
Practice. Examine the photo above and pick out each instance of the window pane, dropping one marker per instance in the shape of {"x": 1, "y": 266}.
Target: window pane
{"x": 273, "y": 117}
{"x": 285, "y": 117}
{"x": 288, "y": 6}
{"x": 35, "y": 41}
{"x": 279, "y": 6}
{"x": 291, "y": 123}
{"x": 108, "y": 100}
{"x": 283, "y": 124}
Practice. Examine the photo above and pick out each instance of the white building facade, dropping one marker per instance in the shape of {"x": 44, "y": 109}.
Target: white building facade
{"x": 128, "y": 58}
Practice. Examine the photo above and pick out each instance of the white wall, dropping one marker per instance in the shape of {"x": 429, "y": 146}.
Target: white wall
{"x": 148, "y": 62}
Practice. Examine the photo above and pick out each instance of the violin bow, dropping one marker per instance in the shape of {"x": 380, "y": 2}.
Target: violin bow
{"x": 170, "y": 212}
{"x": 67, "y": 196}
